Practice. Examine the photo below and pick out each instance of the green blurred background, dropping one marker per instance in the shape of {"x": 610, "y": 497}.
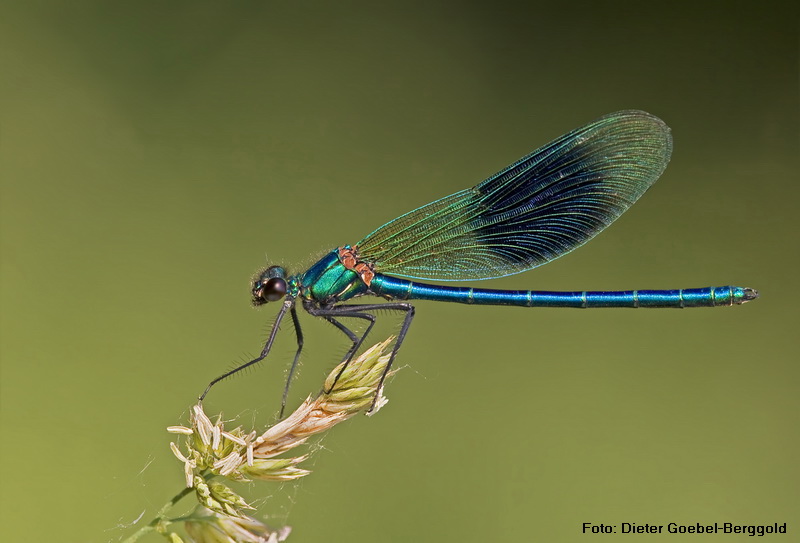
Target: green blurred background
{"x": 154, "y": 155}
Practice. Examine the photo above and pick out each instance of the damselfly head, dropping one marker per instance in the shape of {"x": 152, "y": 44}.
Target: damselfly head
{"x": 269, "y": 286}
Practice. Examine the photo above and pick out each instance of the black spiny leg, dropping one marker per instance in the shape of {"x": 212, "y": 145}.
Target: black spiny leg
{"x": 299, "y": 333}
{"x": 354, "y": 339}
{"x": 288, "y": 304}
{"x": 328, "y": 314}
{"x": 361, "y": 311}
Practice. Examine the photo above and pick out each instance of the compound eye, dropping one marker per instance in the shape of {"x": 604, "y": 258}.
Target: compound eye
{"x": 274, "y": 289}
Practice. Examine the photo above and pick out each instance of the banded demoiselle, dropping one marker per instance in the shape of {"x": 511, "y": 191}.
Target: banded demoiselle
{"x": 534, "y": 211}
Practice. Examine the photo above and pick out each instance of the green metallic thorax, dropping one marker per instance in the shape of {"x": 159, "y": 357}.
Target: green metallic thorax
{"x": 328, "y": 281}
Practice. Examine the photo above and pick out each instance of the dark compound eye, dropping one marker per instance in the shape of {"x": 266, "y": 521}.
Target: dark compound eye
{"x": 274, "y": 289}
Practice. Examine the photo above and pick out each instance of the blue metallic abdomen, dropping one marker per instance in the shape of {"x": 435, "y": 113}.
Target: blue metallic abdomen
{"x": 400, "y": 289}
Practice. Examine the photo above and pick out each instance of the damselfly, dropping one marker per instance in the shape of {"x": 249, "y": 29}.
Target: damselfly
{"x": 535, "y": 210}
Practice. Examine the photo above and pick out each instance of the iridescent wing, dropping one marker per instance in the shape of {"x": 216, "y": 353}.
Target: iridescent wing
{"x": 537, "y": 209}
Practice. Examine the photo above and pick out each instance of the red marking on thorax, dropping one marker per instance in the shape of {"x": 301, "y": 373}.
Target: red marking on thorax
{"x": 348, "y": 256}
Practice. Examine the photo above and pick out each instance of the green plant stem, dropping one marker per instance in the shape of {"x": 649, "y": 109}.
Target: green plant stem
{"x": 160, "y": 517}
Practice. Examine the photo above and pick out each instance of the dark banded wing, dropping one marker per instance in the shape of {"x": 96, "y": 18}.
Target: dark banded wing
{"x": 537, "y": 209}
